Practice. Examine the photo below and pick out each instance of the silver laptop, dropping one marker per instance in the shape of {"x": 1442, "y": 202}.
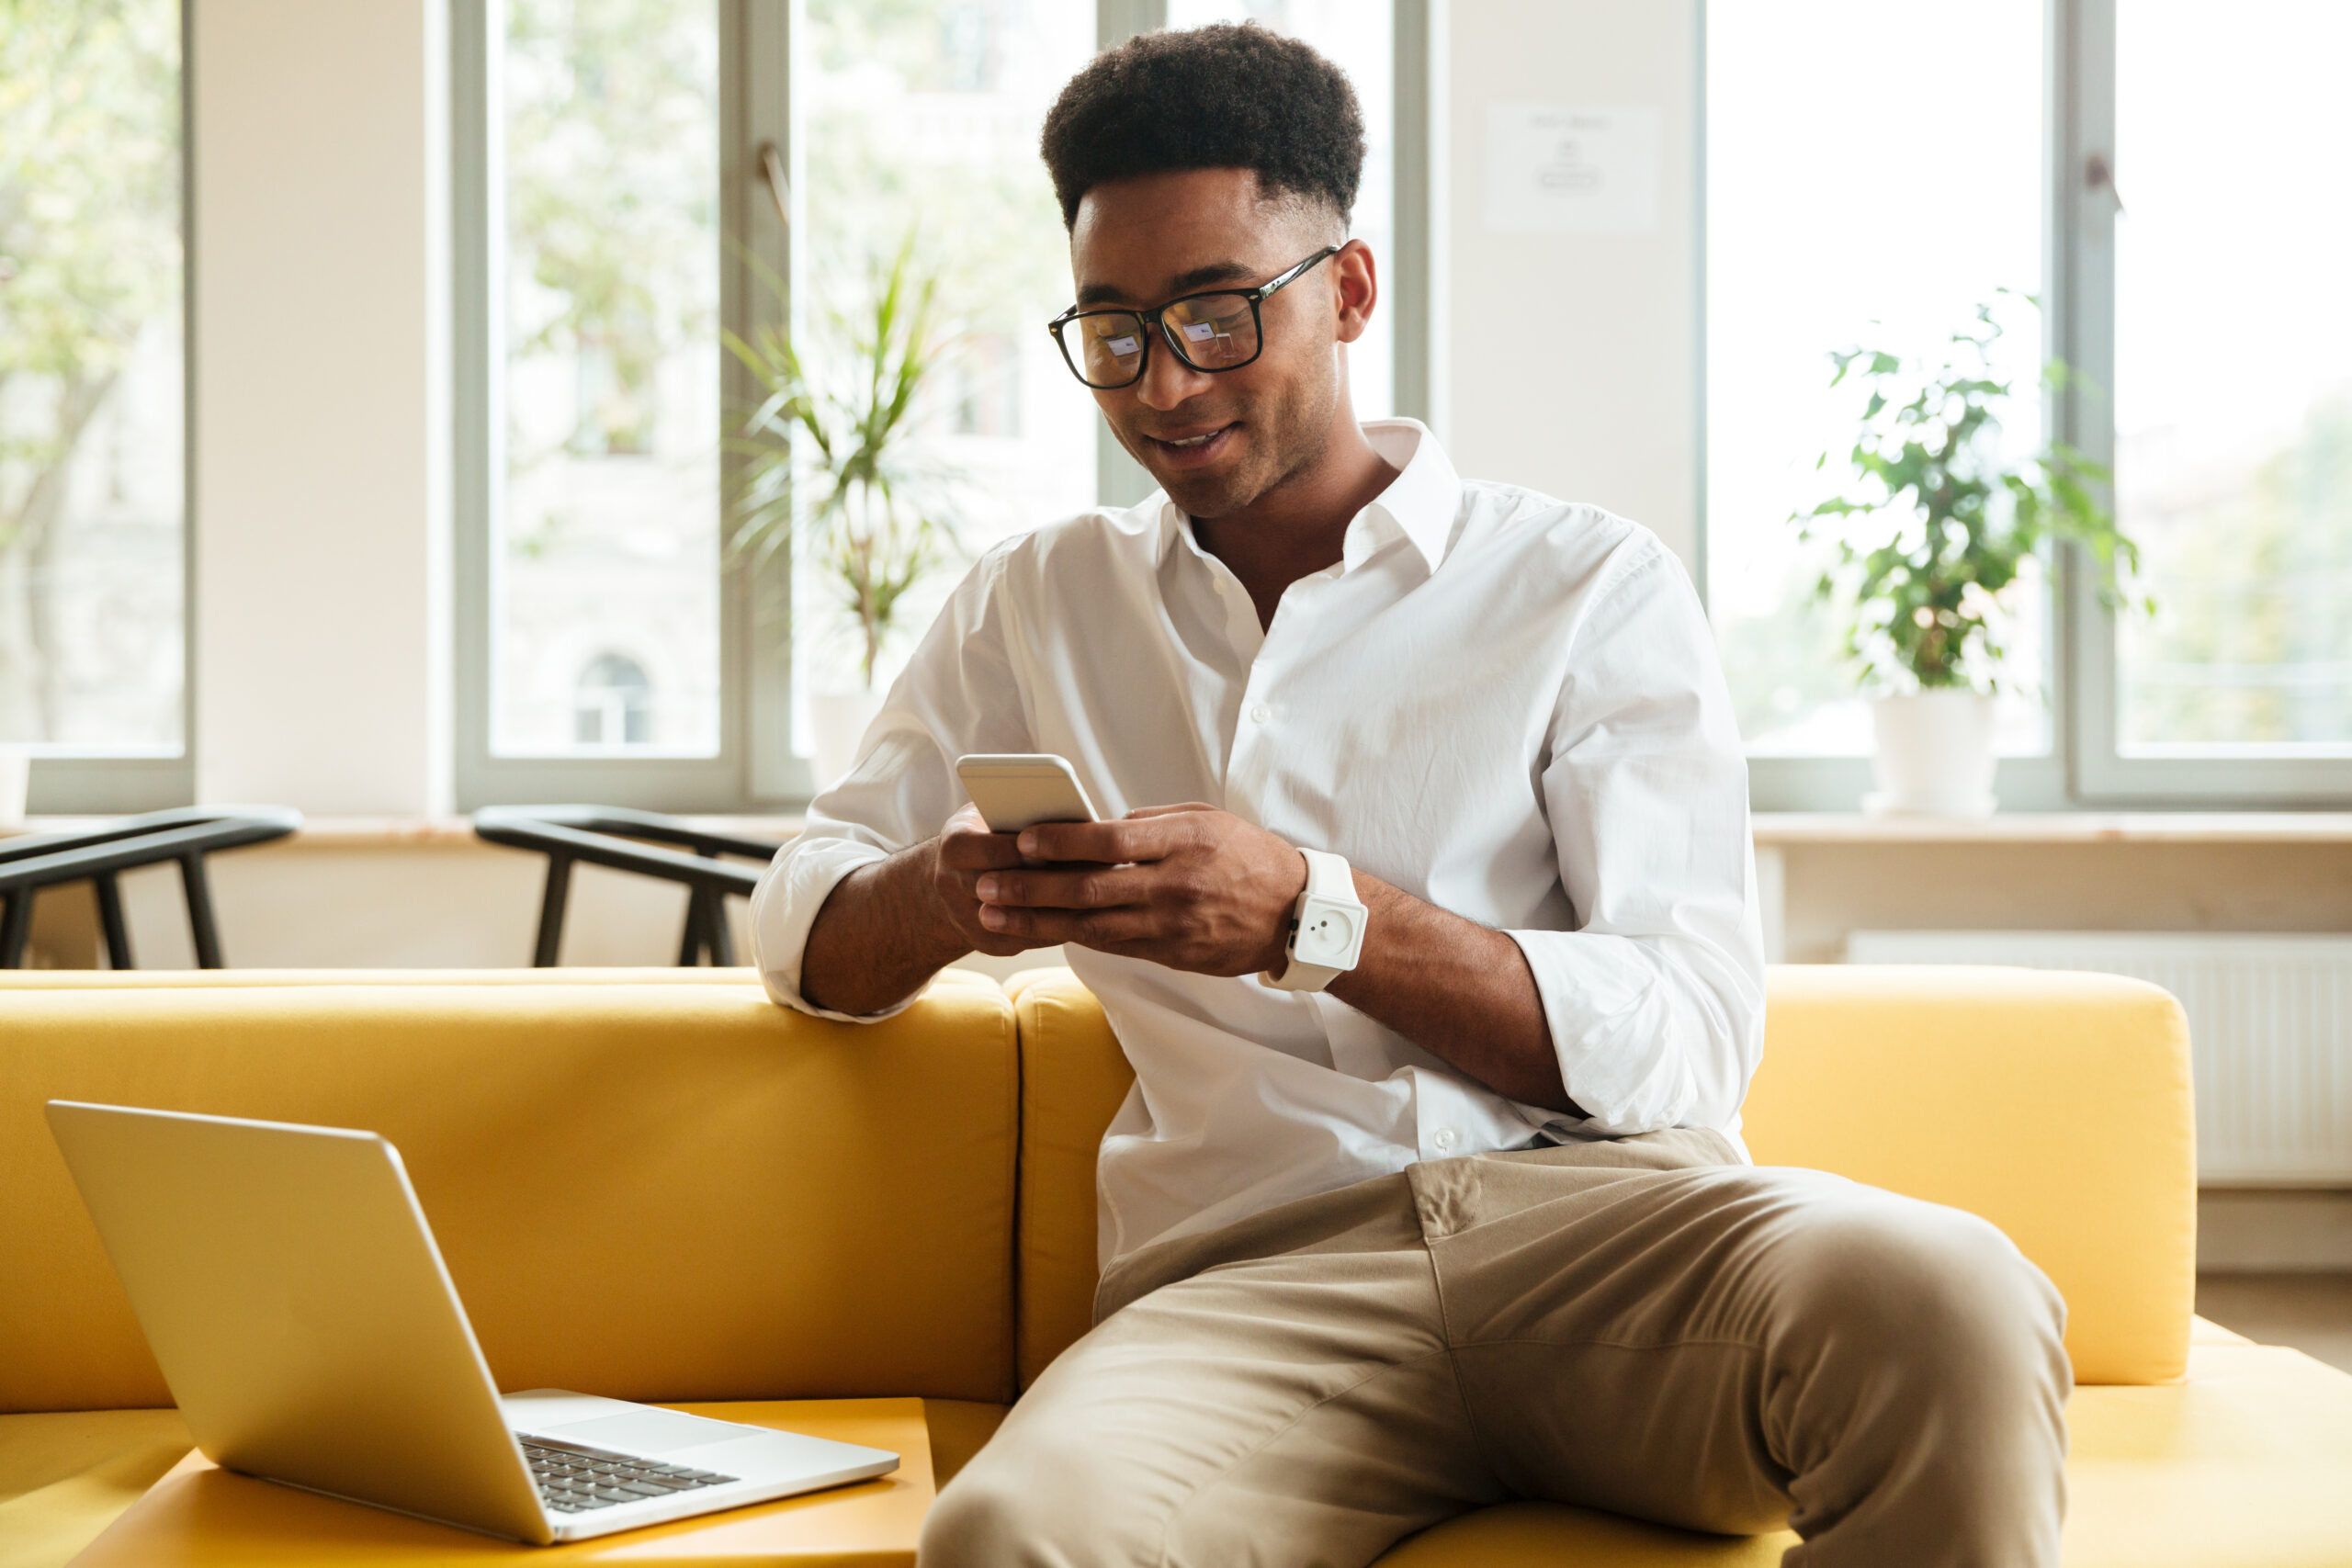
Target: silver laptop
{"x": 294, "y": 1297}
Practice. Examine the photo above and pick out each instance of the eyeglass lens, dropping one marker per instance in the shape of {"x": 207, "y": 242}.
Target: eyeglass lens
{"x": 1212, "y": 331}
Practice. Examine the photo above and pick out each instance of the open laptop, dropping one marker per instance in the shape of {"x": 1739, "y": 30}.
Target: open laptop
{"x": 298, "y": 1305}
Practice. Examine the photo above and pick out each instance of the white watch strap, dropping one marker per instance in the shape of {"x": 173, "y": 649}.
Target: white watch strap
{"x": 1328, "y": 876}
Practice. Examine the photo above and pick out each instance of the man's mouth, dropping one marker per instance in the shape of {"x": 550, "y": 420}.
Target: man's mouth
{"x": 1190, "y": 451}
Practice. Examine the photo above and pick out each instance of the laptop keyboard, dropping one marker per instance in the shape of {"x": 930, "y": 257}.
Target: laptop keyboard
{"x": 574, "y": 1481}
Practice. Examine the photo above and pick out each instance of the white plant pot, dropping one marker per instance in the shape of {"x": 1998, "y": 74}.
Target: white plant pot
{"x": 1935, "y": 755}
{"x": 837, "y": 722}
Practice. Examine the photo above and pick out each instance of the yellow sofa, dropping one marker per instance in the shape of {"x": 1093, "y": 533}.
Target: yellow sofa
{"x": 733, "y": 1202}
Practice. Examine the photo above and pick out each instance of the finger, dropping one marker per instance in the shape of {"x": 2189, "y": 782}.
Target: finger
{"x": 976, "y": 852}
{"x": 1087, "y": 927}
{"x": 1091, "y": 888}
{"x": 1108, "y": 843}
{"x": 1142, "y": 811}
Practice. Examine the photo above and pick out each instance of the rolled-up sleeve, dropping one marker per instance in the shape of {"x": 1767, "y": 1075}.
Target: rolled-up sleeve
{"x": 958, "y": 694}
{"x": 1656, "y": 997}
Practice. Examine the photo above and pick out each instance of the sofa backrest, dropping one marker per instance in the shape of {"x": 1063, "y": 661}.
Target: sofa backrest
{"x": 648, "y": 1189}
{"x": 2057, "y": 1105}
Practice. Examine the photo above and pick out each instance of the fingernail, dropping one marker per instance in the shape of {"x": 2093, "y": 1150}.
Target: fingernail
{"x": 986, "y": 887}
{"x": 992, "y": 916}
{"x": 1028, "y": 842}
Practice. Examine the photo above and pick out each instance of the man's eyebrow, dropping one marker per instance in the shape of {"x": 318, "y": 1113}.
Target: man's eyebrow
{"x": 1183, "y": 283}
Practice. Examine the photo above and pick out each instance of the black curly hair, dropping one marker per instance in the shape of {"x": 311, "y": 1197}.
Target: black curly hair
{"x": 1224, "y": 97}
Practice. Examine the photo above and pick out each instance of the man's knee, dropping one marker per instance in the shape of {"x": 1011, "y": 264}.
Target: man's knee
{"x": 1930, "y": 1300}
{"x": 1032, "y": 1502}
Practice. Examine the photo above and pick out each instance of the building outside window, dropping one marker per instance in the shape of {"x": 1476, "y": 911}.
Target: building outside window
{"x": 605, "y": 519}
{"x": 93, "y": 496}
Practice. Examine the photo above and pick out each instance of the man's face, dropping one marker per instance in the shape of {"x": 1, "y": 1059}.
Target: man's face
{"x": 1216, "y": 443}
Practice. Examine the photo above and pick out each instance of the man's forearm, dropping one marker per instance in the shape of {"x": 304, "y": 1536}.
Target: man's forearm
{"x": 879, "y": 937}
{"x": 1456, "y": 989}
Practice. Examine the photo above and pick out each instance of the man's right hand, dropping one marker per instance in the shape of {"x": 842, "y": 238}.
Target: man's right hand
{"x": 962, "y": 853}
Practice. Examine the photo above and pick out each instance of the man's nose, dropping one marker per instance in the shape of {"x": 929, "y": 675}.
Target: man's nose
{"x": 1168, "y": 380}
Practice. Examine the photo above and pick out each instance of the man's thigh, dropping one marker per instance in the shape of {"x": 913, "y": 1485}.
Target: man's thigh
{"x": 1709, "y": 1346}
{"x": 1284, "y": 1410}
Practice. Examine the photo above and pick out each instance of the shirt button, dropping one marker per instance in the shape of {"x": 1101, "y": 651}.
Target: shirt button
{"x": 1443, "y": 1140}
{"x": 1262, "y": 714}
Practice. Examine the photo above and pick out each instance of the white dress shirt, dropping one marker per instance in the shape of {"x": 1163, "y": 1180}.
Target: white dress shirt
{"x": 1506, "y": 705}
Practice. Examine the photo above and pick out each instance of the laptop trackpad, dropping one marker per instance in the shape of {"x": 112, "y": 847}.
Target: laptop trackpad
{"x": 652, "y": 1431}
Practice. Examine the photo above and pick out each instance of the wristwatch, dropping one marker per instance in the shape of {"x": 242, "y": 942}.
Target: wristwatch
{"x": 1325, "y": 929}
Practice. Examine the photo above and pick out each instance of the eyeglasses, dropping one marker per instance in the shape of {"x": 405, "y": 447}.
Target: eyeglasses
{"x": 1221, "y": 330}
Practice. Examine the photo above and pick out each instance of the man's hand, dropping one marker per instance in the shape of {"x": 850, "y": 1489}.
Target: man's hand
{"x": 1188, "y": 887}
{"x": 964, "y": 852}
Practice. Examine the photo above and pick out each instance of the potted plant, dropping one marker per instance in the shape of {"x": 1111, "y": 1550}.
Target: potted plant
{"x": 834, "y": 462}
{"x": 1927, "y": 547}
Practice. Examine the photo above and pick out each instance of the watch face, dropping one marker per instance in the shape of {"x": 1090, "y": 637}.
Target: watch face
{"x": 1328, "y": 934}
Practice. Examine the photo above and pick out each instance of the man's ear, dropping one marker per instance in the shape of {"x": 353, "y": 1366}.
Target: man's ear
{"x": 1356, "y": 280}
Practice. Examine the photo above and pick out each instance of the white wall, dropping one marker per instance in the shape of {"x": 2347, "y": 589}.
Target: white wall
{"x": 1574, "y": 358}
{"x": 320, "y": 221}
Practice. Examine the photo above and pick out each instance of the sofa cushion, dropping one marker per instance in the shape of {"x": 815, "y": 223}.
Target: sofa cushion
{"x": 661, "y": 1191}
{"x": 64, "y": 1476}
{"x": 2056, "y": 1105}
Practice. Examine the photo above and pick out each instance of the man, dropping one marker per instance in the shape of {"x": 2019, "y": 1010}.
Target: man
{"x": 1464, "y": 1218}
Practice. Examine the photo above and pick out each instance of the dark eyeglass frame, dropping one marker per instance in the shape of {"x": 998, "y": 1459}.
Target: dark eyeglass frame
{"x": 1156, "y": 326}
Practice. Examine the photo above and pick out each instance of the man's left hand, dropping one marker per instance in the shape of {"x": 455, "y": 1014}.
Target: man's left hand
{"x": 1188, "y": 887}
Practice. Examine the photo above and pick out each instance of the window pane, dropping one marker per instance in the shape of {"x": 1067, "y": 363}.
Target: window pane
{"x": 1874, "y": 171}
{"x": 1360, "y": 37}
{"x": 2233, "y": 373}
{"x": 91, "y": 422}
{"x": 919, "y": 124}
{"x": 605, "y": 553}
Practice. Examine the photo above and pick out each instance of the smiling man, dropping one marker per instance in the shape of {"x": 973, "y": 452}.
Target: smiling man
{"x": 1390, "y": 1229}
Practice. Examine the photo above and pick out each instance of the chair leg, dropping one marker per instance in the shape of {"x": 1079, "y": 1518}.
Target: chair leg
{"x": 200, "y": 923}
{"x": 550, "y": 942}
{"x": 110, "y": 921}
{"x": 714, "y": 921}
{"x": 690, "y": 940}
{"x": 15, "y": 927}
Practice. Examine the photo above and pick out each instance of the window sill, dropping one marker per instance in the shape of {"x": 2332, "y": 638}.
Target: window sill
{"x": 1779, "y": 829}
{"x": 370, "y": 832}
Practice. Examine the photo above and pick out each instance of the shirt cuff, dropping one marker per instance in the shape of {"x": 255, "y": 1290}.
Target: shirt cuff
{"x": 1613, "y": 1028}
{"x": 786, "y": 906}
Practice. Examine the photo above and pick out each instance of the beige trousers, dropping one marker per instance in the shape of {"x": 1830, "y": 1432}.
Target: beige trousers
{"x": 1637, "y": 1326}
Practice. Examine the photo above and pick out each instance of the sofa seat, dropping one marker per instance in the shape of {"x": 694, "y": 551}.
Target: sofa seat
{"x": 65, "y": 1475}
{"x": 2242, "y": 1465}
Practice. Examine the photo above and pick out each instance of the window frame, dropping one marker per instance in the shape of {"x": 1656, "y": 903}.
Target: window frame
{"x": 2085, "y": 768}
{"x": 754, "y": 764}
{"x": 102, "y": 784}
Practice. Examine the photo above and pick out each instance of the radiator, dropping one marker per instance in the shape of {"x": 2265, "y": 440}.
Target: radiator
{"x": 2269, "y": 1028}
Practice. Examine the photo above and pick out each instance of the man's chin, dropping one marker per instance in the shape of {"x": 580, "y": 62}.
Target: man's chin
{"x": 1206, "y": 496}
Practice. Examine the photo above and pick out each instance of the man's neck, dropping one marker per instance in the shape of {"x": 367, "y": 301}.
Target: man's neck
{"x": 1298, "y": 527}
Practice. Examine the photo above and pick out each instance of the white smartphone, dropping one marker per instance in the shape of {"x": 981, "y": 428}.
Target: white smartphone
{"x": 1016, "y": 792}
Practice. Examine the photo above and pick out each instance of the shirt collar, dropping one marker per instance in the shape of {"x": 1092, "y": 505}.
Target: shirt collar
{"x": 1421, "y": 502}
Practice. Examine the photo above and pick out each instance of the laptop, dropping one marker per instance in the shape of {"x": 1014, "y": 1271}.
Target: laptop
{"x": 295, "y": 1299}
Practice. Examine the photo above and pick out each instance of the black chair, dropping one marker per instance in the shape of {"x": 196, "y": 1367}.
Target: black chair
{"x": 97, "y": 855}
{"x": 621, "y": 839}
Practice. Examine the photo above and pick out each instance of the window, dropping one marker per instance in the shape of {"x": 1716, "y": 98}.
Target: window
{"x": 2171, "y": 194}
{"x": 919, "y": 127}
{"x": 614, "y": 213}
{"x": 92, "y": 478}
{"x": 606, "y": 515}
{"x": 1824, "y": 233}
{"x": 2233, "y": 378}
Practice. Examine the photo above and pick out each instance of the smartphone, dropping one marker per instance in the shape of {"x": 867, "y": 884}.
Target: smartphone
{"x": 1017, "y": 792}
